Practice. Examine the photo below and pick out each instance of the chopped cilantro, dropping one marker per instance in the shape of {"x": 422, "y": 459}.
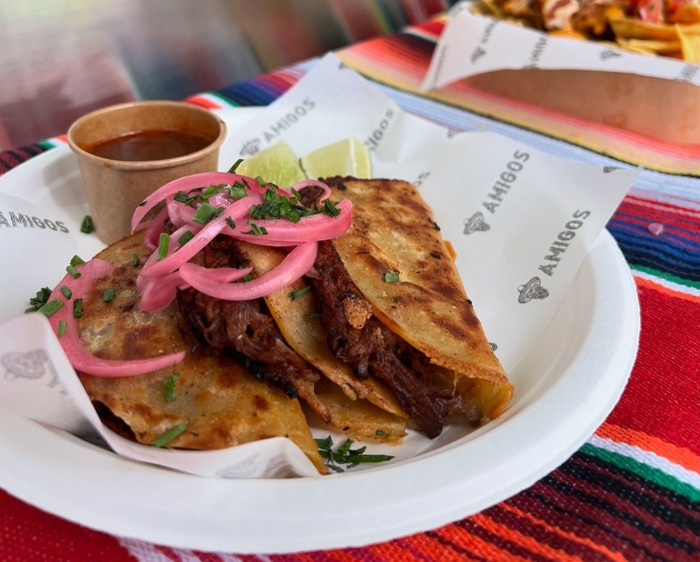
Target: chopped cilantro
{"x": 77, "y": 308}
{"x": 237, "y": 163}
{"x": 169, "y": 435}
{"x": 169, "y": 387}
{"x": 185, "y": 237}
{"x": 391, "y": 276}
{"x": 299, "y": 293}
{"x": 346, "y": 455}
{"x": 51, "y": 307}
{"x": 87, "y": 226}
{"x": 41, "y": 298}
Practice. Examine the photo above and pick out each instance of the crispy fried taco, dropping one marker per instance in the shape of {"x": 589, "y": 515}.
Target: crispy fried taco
{"x": 394, "y": 309}
{"x": 210, "y": 396}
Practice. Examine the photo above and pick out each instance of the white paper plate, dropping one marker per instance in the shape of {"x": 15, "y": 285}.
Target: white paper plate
{"x": 564, "y": 389}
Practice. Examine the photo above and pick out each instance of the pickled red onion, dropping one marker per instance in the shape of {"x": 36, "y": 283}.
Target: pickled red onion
{"x": 186, "y": 252}
{"x": 79, "y": 357}
{"x": 153, "y": 229}
{"x": 174, "y": 270}
{"x": 157, "y": 294}
{"x": 178, "y": 213}
{"x": 187, "y": 183}
{"x": 293, "y": 267}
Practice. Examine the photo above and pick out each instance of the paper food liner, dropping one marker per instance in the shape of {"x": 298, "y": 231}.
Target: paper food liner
{"x": 521, "y": 221}
{"x": 471, "y": 44}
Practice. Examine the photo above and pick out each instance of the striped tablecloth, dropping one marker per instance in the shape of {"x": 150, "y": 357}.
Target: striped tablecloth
{"x": 632, "y": 491}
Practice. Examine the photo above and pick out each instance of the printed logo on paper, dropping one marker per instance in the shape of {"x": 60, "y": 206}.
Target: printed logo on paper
{"x": 283, "y": 124}
{"x": 500, "y": 188}
{"x": 688, "y": 73}
{"x": 475, "y": 223}
{"x": 554, "y": 255}
{"x": 421, "y": 178}
{"x": 250, "y": 147}
{"x": 607, "y": 54}
{"x": 30, "y": 365}
{"x": 380, "y": 129}
{"x": 12, "y": 219}
{"x": 562, "y": 242}
{"x": 478, "y": 53}
{"x": 531, "y": 290}
{"x": 537, "y": 51}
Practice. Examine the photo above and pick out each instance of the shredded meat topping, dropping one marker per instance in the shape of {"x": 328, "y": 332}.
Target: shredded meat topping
{"x": 374, "y": 350}
{"x": 245, "y": 328}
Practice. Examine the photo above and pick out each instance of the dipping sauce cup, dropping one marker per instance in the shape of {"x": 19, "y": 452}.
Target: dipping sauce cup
{"x": 127, "y": 151}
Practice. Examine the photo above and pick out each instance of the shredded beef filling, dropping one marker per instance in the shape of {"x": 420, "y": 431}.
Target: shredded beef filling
{"x": 244, "y": 328}
{"x": 374, "y": 350}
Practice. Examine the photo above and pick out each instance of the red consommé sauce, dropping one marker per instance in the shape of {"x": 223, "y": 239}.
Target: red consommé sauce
{"x": 144, "y": 146}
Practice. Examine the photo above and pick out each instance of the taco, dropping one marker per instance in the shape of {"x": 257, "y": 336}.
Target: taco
{"x": 382, "y": 315}
{"x": 211, "y": 396}
{"x": 394, "y": 308}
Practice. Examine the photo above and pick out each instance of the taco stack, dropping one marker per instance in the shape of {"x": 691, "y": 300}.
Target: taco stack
{"x": 376, "y": 337}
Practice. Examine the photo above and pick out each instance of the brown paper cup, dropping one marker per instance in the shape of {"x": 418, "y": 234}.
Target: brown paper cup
{"x": 114, "y": 188}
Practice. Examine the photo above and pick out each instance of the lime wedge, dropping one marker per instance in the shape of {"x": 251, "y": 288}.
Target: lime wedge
{"x": 277, "y": 164}
{"x": 348, "y": 157}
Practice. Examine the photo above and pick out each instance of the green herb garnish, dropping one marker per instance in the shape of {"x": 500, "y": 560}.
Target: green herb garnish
{"x": 209, "y": 191}
{"x": 185, "y": 237}
{"x": 87, "y": 226}
{"x": 278, "y": 205}
{"x": 74, "y": 273}
{"x": 237, "y": 191}
{"x": 391, "y": 277}
{"x": 41, "y": 298}
{"x": 51, "y": 307}
{"x": 108, "y": 295}
{"x": 294, "y": 295}
{"x": 346, "y": 455}
{"x": 330, "y": 209}
{"x": 169, "y": 435}
{"x": 181, "y": 197}
{"x": 256, "y": 230}
{"x": 163, "y": 245}
{"x": 169, "y": 387}
{"x": 204, "y": 213}
{"x": 62, "y": 327}
{"x": 135, "y": 260}
{"x": 77, "y": 308}
{"x": 237, "y": 163}
{"x": 76, "y": 260}
{"x": 66, "y": 292}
